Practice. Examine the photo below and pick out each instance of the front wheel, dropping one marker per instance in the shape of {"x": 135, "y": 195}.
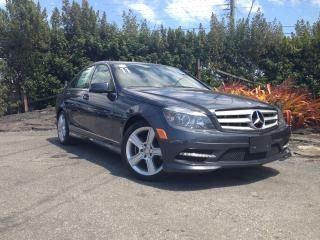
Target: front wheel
{"x": 141, "y": 152}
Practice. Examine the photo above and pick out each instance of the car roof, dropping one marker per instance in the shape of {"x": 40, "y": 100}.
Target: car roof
{"x": 123, "y": 62}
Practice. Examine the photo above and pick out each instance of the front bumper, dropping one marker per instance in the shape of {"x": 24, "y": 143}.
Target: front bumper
{"x": 229, "y": 150}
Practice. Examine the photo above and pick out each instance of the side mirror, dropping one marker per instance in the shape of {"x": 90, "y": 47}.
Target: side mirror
{"x": 100, "y": 88}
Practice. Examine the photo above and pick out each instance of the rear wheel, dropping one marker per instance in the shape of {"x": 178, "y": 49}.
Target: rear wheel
{"x": 63, "y": 129}
{"x": 141, "y": 152}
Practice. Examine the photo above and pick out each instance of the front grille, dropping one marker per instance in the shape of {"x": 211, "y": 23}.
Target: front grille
{"x": 244, "y": 119}
{"x": 234, "y": 155}
{"x": 242, "y": 154}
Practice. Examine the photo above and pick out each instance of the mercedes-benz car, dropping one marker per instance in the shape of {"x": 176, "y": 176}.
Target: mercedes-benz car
{"x": 160, "y": 119}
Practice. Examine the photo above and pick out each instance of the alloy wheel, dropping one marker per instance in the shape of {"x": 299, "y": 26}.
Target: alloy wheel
{"x": 62, "y": 130}
{"x": 143, "y": 152}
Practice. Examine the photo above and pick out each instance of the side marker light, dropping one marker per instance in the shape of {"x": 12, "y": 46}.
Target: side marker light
{"x": 162, "y": 134}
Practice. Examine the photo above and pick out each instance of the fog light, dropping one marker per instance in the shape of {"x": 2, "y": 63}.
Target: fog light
{"x": 199, "y": 155}
{"x": 285, "y": 146}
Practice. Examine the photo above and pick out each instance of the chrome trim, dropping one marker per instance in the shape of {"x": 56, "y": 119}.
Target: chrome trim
{"x": 240, "y": 111}
{"x": 80, "y": 130}
{"x": 106, "y": 145}
{"x": 228, "y": 119}
{"x": 271, "y": 118}
{"x": 285, "y": 146}
{"x": 111, "y": 147}
{"x": 235, "y": 120}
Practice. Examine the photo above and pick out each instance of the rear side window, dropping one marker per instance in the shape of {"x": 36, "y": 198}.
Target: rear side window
{"x": 83, "y": 79}
{"x": 102, "y": 75}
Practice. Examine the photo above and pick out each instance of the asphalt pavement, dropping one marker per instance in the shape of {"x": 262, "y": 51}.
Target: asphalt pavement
{"x": 49, "y": 191}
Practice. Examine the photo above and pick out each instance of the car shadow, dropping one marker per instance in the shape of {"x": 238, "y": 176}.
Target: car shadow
{"x": 88, "y": 151}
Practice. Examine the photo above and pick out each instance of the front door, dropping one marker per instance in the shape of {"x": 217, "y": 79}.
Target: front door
{"x": 101, "y": 105}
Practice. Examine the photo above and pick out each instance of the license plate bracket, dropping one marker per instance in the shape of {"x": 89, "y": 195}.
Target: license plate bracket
{"x": 260, "y": 144}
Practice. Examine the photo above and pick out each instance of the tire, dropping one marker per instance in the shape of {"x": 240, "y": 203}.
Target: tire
{"x": 63, "y": 129}
{"x": 141, "y": 152}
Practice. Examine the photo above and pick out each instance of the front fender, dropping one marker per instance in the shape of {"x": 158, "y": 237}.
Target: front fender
{"x": 147, "y": 112}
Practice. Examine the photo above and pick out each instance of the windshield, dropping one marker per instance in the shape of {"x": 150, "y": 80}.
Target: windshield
{"x": 151, "y": 75}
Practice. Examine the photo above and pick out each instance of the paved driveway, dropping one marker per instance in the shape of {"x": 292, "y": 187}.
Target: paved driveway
{"x": 82, "y": 192}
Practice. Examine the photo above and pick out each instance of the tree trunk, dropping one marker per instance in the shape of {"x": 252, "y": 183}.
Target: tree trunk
{"x": 25, "y": 101}
{"x": 198, "y": 69}
{"x": 18, "y": 90}
{"x": 23, "y": 98}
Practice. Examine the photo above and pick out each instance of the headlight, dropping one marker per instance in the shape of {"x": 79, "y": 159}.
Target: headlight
{"x": 186, "y": 118}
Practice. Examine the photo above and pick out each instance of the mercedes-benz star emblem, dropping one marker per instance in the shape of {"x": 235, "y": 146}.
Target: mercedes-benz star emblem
{"x": 257, "y": 119}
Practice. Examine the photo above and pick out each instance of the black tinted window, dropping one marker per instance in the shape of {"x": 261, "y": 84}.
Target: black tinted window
{"x": 101, "y": 75}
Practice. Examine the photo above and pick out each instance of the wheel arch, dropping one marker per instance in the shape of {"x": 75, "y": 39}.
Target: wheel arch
{"x": 59, "y": 110}
{"x": 133, "y": 119}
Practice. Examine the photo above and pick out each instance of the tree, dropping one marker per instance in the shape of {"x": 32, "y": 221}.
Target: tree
{"x": 38, "y": 57}
{"x": 24, "y": 41}
{"x": 215, "y": 42}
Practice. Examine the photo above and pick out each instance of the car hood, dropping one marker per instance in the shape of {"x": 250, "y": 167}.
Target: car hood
{"x": 206, "y": 100}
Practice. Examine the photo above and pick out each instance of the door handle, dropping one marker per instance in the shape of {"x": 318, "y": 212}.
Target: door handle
{"x": 85, "y": 96}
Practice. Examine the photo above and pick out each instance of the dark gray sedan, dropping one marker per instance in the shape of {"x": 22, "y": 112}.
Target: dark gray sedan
{"x": 161, "y": 119}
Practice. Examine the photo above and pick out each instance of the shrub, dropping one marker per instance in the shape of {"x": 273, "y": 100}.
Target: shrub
{"x": 298, "y": 108}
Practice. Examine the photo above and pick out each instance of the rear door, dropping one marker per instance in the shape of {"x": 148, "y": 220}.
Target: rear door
{"x": 77, "y": 99}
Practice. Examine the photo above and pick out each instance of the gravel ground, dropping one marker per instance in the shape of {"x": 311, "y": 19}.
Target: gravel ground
{"x": 82, "y": 191}
{"x": 40, "y": 120}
